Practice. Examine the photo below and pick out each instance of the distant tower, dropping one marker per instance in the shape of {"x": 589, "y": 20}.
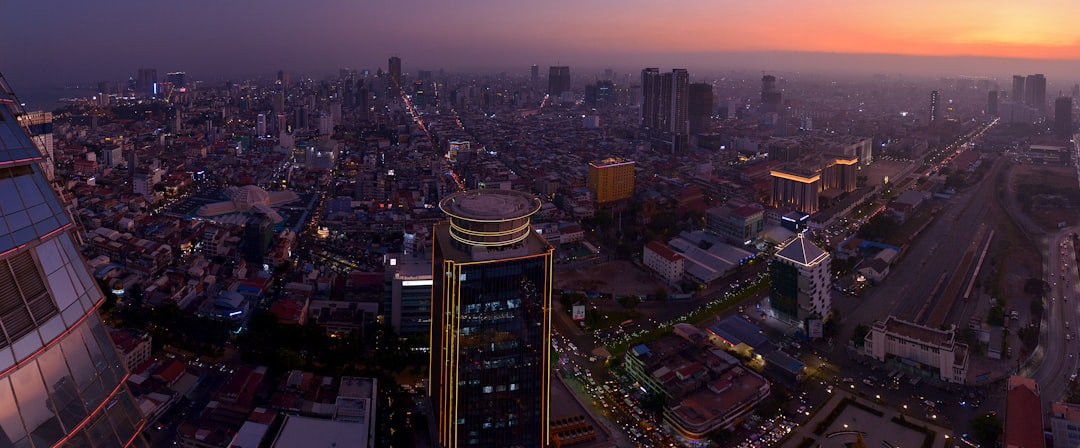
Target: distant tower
{"x": 1063, "y": 126}
{"x": 992, "y": 103}
{"x": 558, "y": 80}
{"x": 1018, "y": 89}
{"x": 491, "y": 364}
{"x": 934, "y": 107}
{"x": 395, "y": 72}
{"x": 1035, "y": 91}
{"x": 770, "y": 96}
{"x": 177, "y": 79}
{"x": 62, "y": 382}
{"x": 147, "y": 81}
{"x": 260, "y": 125}
{"x": 535, "y": 73}
{"x": 651, "y": 99}
{"x": 680, "y": 120}
{"x": 700, "y": 108}
{"x": 799, "y": 281}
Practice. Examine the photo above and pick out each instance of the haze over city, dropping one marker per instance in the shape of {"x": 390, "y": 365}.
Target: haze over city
{"x": 45, "y": 43}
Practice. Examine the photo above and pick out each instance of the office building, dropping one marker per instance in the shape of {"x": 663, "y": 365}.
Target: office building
{"x": 992, "y": 103}
{"x": 1063, "y": 125}
{"x": 700, "y": 106}
{"x": 799, "y": 185}
{"x": 260, "y": 125}
{"x": 146, "y": 82}
{"x": 1018, "y": 95}
{"x": 177, "y": 79}
{"x": 1035, "y": 91}
{"x": 799, "y": 281}
{"x": 490, "y": 374}
{"x": 394, "y": 66}
{"x": 770, "y": 95}
{"x": 653, "y": 98}
{"x": 934, "y": 112}
{"x": 918, "y": 345}
{"x": 680, "y": 117}
{"x": 62, "y": 382}
{"x": 558, "y": 80}
{"x": 611, "y": 179}
{"x": 407, "y": 306}
{"x": 534, "y": 74}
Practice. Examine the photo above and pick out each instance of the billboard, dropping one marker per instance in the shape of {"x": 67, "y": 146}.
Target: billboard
{"x": 579, "y": 312}
{"x": 815, "y": 328}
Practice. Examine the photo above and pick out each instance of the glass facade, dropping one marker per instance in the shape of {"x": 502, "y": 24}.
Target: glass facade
{"x": 61, "y": 380}
{"x": 491, "y": 335}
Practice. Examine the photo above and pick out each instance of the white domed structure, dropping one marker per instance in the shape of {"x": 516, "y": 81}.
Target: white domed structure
{"x": 249, "y": 199}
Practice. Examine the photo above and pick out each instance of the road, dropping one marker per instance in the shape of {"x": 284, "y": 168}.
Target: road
{"x": 1058, "y": 345}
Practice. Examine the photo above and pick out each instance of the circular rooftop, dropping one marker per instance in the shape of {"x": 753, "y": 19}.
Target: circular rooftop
{"x": 490, "y": 205}
{"x": 249, "y": 196}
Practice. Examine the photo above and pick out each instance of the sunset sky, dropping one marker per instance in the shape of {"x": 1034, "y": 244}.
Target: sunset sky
{"x": 62, "y": 41}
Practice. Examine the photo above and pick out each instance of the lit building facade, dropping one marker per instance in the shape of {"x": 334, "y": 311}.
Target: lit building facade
{"x": 919, "y": 345}
{"x": 61, "y": 379}
{"x": 799, "y": 281}
{"x": 611, "y": 179}
{"x": 798, "y": 187}
{"x": 490, "y": 374}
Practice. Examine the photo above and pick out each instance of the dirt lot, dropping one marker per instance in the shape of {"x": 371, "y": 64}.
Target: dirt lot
{"x": 1050, "y": 195}
{"x": 618, "y": 277}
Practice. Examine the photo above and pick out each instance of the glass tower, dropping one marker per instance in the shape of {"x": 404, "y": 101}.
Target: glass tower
{"x": 61, "y": 380}
{"x": 491, "y": 322}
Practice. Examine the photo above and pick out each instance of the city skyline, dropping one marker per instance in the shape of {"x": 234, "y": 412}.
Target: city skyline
{"x": 45, "y": 44}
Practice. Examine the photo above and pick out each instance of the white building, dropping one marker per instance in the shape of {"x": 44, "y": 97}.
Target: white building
{"x": 800, "y": 283}
{"x": 667, "y": 263}
{"x": 921, "y": 346}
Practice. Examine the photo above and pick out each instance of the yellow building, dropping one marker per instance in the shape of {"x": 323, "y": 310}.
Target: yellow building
{"x": 611, "y": 179}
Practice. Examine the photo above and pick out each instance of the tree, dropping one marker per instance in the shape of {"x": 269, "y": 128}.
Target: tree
{"x": 878, "y": 228}
{"x": 986, "y": 428}
{"x": 861, "y": 331}
{"x": 628, "y": 301}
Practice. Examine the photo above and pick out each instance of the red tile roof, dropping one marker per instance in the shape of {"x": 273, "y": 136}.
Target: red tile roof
{"x": 1023, "y": 414}
{"x": 663, "y": 250}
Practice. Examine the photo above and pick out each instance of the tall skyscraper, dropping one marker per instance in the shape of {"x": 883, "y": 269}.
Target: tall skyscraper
{"x": 700, "y": 106}
{"x": 651, "y": 99}
{"x": 1063, "y": 125}
{"x": 680, "y": 117}
{"x": 40, "y": 125}
{"x": 146, "y": 83}
{"x": 1035, "y": 91}
{"x": 665, "y": 107}
{"x": 770, "y": 96}
{"x": 394, "y": 66}
{"x": 490, "y": 373}
{"x": 61, "y": 380}
{"x": 1018, "y": 95}
{"x": 934, "y": 96}
{"x": 992, "y": 103}
{"x": 799, "y": 281}
{"x": 535, "y": 74}
{"x": 558, "y": 80}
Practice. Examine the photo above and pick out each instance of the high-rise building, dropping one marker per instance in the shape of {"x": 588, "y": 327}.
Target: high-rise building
{"x": 62, "y": 382}
{"x": 611, "y": 179}
{"x": 146, "y": 83}
{"x": 394, "y": 67}
{"x": 665, "y": 106}
{"x": 40, "y": 125}
{"x": 1035, "y": 91}
{"x": 535, "y": 74}
{"x": 558, "y": 80}
{"x": 800, "y": 285}
{"x": 934, "y": 97}
{"x": 1063, "y": 125}
{"x": 260, "y": 125}
{"x": 992, "y": 103}
{"x": 770, "y": 96}
{"x": 1018, "y": 96}
{"x": 680, "y": 117}
{"x": 700, "y": 106}
{"x": 490, "y": 373}
{"x": 177, "y": 79}
{"x": 651, "y": 100}
{"x": 407, "y": 305}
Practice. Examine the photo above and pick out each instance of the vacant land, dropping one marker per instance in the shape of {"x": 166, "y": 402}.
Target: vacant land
{"x": 1050, "y": 195}
{"x": 617, "y": 277}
